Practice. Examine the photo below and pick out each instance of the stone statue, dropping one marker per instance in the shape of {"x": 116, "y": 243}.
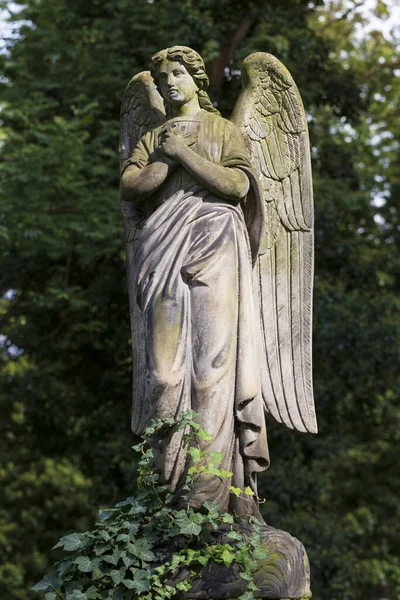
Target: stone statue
{"x": 218, "y": 220}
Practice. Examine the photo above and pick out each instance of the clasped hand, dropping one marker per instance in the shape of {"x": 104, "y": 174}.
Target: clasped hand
{"x": 172, "y": 145}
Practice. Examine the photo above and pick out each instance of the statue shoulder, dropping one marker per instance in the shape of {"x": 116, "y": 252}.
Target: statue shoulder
{"x": 224, "y": 126}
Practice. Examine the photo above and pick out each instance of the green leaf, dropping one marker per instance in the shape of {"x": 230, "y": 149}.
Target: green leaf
{"x": 141, "y": 580}
{"x": 259, "y": 553}
{"x": 184, "y": 586}
{"x": 73, "y": 542}
{"x": 248, "y": 491}
{"x": 106, "y": 514}
{"x": 235, "y": 490}
{"x": 76, "y": 595}
{"x": 196, "y": 454}
{"x": 204, "y": 436}
{"x": 137, "y": 509}
{"x": 97, "y": 573}
{"x": 84, "y": 564}
{"x": 227, "y": 518}
{"x": 214, "y": 510}
{"x": 92, "y": 593}
{"x": 127, "y": 560}
{"x": 189, "y": 524}
{"x": 247, "y": 596}
{"x": 217, "y": 457}
{"x": 113, "y": 558}
{"x": 142, "y": 549}
{"x": 228, "y": 557}
{"x": 235, "y": 535}
{"x": 50, "y": 596}
{"x": 100, "y": 549}
{"x": 225, "y": 474}
{"x": 49, "y": 582}
{"x": 118, "y": 576}
{"x": 105, "y": 535}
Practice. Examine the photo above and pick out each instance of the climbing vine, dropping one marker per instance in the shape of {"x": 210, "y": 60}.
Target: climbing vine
{"x": 150, "y": 548}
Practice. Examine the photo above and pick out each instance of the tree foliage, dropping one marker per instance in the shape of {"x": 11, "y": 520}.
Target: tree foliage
{"x": 65, "y": 348}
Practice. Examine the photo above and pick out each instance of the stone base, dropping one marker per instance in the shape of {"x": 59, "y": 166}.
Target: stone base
{"x": 283, "y": 575}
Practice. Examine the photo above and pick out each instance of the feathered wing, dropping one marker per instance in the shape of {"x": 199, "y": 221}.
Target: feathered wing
{"x": 272, "y": 119}
{"x": 142, "y": 109}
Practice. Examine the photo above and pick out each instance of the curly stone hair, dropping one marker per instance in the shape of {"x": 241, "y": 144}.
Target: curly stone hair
{"x": 194, "y": 65}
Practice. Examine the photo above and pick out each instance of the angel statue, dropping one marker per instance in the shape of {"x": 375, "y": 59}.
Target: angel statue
{"x": 218, "y": 220}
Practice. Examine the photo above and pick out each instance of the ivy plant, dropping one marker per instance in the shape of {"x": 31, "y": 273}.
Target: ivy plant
{"x": 150, "y": 548}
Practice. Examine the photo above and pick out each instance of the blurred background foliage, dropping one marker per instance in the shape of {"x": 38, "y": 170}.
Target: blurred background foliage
{"x": 65, "y": 361}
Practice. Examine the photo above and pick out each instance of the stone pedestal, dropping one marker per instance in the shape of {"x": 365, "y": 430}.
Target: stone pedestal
{"x": 283, "y": 575}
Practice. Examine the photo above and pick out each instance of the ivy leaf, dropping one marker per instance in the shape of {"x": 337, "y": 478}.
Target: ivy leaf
{"x": 203, "y": 560}
{"x": 97, "y": 574}
{"x": 213, "y": 509}
{"x": 106, "y": 514}
{"x": 127, "y": 560}
{"x": 118, "y": 576}
{"x": 84, "y": 564}
{"x": 235, "y": 535}
{"x": 227, "y": 518}
{"x": 105, "y": 535}
{"x": 227, "y": 557}
{"x": 49, "y": 582}
{"x": 259, "y": 553}
{"x": 203, "y": 435}
{"x": 248, "y": 491}
{"x": 188, "y": 524}
{"x": 235, "y": 490}
{"x": 73, "y": 542}
{"x": 50, "y": 596}
{"x": 184, "y": 586}
{"x": 113, "y": 558}
{"x": 137, "y": 509}
{"x": 142, "y": 549}
{"x": 196, "y": 454}
{"x": 247, "y": 596}
{"x": 217, "y": 457}
{"x": 76, "y": 595}
{"x": 92, "y": 593}
{"x": 141, "y": 580}
{"x": 100, "y": 549}
{"x": 225, "y": 474}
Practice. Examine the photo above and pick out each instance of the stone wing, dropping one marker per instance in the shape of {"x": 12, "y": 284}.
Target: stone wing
{"x": 271, "y": 116}
{"x": 142, "y": 109}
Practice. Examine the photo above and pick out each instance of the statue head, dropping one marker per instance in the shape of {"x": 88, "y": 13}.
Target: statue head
{"x": 194, "y": 65}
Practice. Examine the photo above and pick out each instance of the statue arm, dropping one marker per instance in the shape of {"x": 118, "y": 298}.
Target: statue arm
{"x": 138, "y": 183}
{"x": 229, "y": 183}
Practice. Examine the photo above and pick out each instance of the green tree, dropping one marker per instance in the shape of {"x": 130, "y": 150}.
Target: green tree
{"x": 65, "y": 348}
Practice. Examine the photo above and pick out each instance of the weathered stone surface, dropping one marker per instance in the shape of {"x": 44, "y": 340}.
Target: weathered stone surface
{"x": 284, "y": 574}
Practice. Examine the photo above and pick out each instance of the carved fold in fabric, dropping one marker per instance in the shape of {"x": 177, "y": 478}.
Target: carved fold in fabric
{"x": 193, "y": 284}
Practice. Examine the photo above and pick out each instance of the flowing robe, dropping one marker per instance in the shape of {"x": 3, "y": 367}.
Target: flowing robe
{"x": 194, "y": 318}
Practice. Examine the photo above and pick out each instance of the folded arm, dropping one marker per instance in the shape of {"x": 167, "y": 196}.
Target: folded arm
{"x": 137, "y": 183}
{"x": 225, "y": 182}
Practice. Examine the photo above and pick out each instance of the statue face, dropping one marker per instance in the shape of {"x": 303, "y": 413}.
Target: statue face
{"x": 176, "y": 84}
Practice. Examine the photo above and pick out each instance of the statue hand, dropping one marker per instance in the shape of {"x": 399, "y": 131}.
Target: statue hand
{"x": 172, "y": 145}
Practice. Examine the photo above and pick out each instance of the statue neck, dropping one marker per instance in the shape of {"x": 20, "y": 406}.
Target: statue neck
{"x": 189, "y": 110}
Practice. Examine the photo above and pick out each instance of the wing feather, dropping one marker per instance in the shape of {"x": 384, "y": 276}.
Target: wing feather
{"x": 271, "y": 116}
{"x": 141, "y": 110}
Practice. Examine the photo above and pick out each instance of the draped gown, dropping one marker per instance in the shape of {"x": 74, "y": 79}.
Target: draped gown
{"x": 192, "y": 281}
